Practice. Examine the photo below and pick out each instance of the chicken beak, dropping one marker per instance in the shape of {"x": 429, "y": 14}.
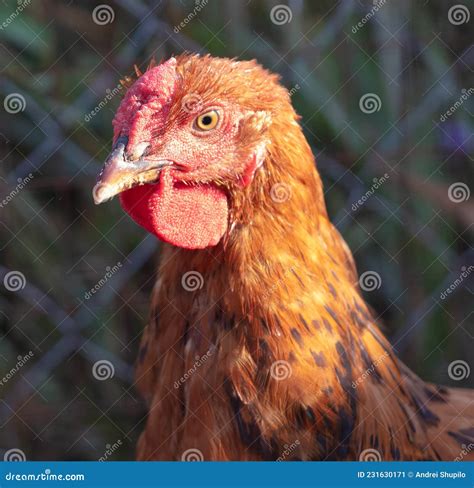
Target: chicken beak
{"x": 120, "y": 174}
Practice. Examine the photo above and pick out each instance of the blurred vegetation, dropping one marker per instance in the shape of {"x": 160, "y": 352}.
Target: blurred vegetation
{"x": 67, "y": 67}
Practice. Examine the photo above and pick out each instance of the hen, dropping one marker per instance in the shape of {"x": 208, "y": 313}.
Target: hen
{"x": 260, "y": 345}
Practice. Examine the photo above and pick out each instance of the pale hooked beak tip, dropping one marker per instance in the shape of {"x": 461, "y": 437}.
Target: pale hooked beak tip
{"x": 102, "y": 193}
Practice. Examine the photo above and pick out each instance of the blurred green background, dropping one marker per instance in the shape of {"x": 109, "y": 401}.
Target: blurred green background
{"x": 383, "y": 88}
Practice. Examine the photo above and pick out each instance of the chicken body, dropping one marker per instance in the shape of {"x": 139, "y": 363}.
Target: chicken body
{"x": 269, "y": 351}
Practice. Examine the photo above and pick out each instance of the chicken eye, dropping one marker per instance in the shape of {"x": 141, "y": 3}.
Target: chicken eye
{"x": 207, "y": 121}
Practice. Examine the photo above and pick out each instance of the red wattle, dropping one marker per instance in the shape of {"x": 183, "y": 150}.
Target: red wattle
{"x": 192, "y": 217}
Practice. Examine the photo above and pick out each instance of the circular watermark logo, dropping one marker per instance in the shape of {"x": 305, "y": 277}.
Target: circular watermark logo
{"x": 281, "y": 14}
{"x": 459, "y": 192}
{"x": 370, "y": 455}
{"x": 280, "y": 192}
{"x": 459, "y": 370}
{"x": 103, "y": 370}
{"x": 14, "y": 281}
{"x": 192, "y": 281}
{"x": 370, "y": 103}
{"x": 459, "y": 14}
{"x": 103, "y": 14}
{"x": 14, "y": 455}
{"x": 191, "y": 455}
{"x": 280, "y": 370}
{"x": 14, "y": 103}
{"x": 192, "y": 103}
{"x": 370, "y": 281}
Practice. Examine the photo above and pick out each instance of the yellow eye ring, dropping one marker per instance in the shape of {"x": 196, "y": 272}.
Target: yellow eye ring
{"x": 207, "y": 121}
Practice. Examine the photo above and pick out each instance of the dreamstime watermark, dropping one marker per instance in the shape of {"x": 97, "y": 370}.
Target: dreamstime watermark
{"x": 280, "y": 192}
{"x": 459, "y": 14}
{"x": 199, "y": 5}
{"x": 267, "y": 293}
{"x": 280, "y": 370}
{"x": 192, "y": 281}
{"x": 200, "y": 360}
{"x": 465, "y": 272}
{"x": 281, "y": 14}
{"x": 14, "y": 103}
{"x": 110, "y": 449}
{"x": 46, "y": 475}
{"x": 370, "y": 281}
{"x": 294, "y": 89}
{"x": 375, "y": 8}
{"x": 192, "y": 455}
{"x": 14, "y": 454}
{"x": 466, "y": 449}
{"x": 110, "y": 94}
{"x": 371, "y": 455}
{"x": 103, "y": 14}
{"x": 103, "y": 370}
{"x": 459, "y": 370}
{"x": 109, "y": 272}
{"x": 14, "y": 281}
{"x": 378, "y": 182}
{"x": 11, "y": 18}
{"x": 459, "y": 192}
{"x": 21, "y": 361}
{"x": 370, "y": 103}
{"x": 370, "y": 370}
{"x": 22, "y": 182}
{"x": 289, "y": 448}
{"x": 458, "y": 103}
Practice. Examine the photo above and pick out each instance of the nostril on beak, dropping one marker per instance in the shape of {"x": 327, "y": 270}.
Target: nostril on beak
{"x": 137, "y": 151}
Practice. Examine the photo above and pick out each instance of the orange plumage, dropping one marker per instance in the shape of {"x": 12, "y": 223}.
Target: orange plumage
{"x": 276, "y": 355}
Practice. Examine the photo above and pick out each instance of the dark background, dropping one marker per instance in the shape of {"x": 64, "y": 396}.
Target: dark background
{"x": 414, "y": 230}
